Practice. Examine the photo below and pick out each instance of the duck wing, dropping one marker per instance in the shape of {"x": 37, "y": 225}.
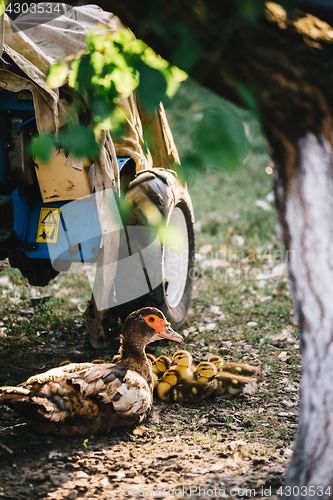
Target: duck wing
{"x": 81, "y": 398}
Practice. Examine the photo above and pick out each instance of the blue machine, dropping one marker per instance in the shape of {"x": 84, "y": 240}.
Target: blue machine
{"x": 62, "y": 230}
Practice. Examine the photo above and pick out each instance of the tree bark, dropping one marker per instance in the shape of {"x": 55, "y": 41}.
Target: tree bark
{"x": 286, "y": 61}
{"x": 305, "y": 211}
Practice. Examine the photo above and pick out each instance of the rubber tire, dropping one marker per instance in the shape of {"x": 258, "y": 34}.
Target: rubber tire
{"x": 165, "y": 197}
{"x": 39, "y": 272}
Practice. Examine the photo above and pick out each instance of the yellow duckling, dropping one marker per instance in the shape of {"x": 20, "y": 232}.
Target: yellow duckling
{"x": 159, "y": 366}
{"x": 228, "y": 383}
{"x": 151, "y": 358}
{"x": 217, "y": 361}
{"x": 169, "y": 389}
{"x": 205, "y": 372}
{"x": 166, "y": 383}
{"x": 182, "y": 363}
{"x": 242, "y": 369}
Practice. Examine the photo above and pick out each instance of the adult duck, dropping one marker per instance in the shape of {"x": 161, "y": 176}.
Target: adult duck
{"x": 85, "y": 399}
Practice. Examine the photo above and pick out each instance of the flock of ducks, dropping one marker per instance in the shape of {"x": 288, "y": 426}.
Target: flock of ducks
{"x": 84, "y": 399}
{"x": 178, "y": 380}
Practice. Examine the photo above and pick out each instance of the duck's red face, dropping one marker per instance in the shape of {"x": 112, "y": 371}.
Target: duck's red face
{"x": 162, "y": 328}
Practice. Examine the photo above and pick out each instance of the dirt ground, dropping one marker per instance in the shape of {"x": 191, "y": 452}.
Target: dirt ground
{"x": 133, "y": 464}
{"x": 219, "y": 448}
{"x": 163, "y": 458}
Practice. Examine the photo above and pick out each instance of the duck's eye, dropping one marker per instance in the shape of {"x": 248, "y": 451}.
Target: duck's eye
{"x": 151, "y": 319}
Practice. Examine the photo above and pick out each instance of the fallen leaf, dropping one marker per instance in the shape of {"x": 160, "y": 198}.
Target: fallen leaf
{"x": 205, "y": 249}
{"x": 199, "y": 257}
{"x": 265, "y": 298}
{"x": 234, "y": 444}
{"x": 291, "y": 388}
{"x": 3, "y": 333}
{"x": 218, "y": 466}
{"x": 264, "y": 205}
{"x": 211, "y": 326}
{"x": 4, "y": 281}
{"x": 215, "y": 264}
{"x": 4, "y": 447}
{"x": 140, "y": 431}
{"x": 237, "y": 240}
{"x": 155, "y": 417}
{"x": 251, "y": 323}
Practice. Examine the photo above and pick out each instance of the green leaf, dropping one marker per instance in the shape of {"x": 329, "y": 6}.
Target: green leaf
{"x": 79, "y": 141}
{"x": 152, "y": 87}
{"x": 124, "y": 38}
{"x": 125, "y": 80}
{"x": 173, "y": 76}
{"x": 153, "y": 60}
{"x": 188, "y": 50}
{"x": 85, "y": 73}
{"x": 251, "y": 9}
{"x": 248, "y": 97}
{"x": 57, "y": 75}
{"x": 220, "y": 140}
{"x": 73, "y": 73}
{"x": 42, "y": 147}
{"x": 2, "y": 7}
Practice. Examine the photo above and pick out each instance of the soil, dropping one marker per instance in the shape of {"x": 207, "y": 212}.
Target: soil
{"x": 124, "y": 465}
{"x": 161, "y": 458}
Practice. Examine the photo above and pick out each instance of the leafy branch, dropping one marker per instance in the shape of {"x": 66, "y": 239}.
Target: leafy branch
{"x": 114, "y": 64}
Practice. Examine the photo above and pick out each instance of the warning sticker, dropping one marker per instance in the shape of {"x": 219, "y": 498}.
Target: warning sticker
{"x": 48, "y": 225}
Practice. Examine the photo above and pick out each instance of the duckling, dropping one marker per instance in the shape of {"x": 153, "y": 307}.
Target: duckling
{"x": 242, "y": 369}
{"x": 159, "y": 366}
{"x": 169, "y": 389}
{"x": 228, "y": 383}
{"x": 151, "y": 358}
{"x": 166, "y": 383}
{"x": 205, "y": 372}
{"x": 84, "y": 399}
{"x": 217, "y": 361}
{"x": 182, "y": 362}
{"x": 163, "y": 363}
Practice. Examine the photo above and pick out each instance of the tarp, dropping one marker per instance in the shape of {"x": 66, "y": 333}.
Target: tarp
{"x": 33, "y": 42}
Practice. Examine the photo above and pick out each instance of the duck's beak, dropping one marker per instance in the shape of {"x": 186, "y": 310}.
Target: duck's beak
{"x": 166, "y": 332}
{"x": 173, "y": 363}
{"x": 196, "y": 373}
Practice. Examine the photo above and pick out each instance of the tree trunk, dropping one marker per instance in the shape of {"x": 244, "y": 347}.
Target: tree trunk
{"x": 287, "y": 63}
{"x": 305, "y": 210}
